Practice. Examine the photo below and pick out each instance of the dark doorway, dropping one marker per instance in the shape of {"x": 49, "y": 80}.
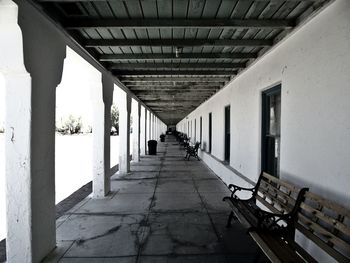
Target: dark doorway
{"x": 227, "y": 133}
{"x": 271, "y": 131}
{"x": 200, "y": 129}
{"x": 210, "y": 131}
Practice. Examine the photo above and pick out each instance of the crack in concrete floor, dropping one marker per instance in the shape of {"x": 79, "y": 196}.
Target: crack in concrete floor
{"x": 156, "y": 226}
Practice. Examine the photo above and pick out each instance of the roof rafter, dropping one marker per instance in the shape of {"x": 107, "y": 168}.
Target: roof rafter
{"x": 176, "y": 65}
{"x": 173, "y": 72}
{"x": 84, "y": 23}
{"x": 149, "y": 56}
{"x": 148, "y": 80}
{"x": 177, "y": 42}
{"x": 173, "y": 89}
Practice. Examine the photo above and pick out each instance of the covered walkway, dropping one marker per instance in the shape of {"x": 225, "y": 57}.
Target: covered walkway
{"x": 166, "y": 210}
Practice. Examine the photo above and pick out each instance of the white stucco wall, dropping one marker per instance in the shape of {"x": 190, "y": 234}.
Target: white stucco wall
{"x": 313, "y": 66}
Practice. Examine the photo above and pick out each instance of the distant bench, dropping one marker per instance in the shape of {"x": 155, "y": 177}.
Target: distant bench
{"x": 192, "y": 151}
{"x": 322, "y": 221}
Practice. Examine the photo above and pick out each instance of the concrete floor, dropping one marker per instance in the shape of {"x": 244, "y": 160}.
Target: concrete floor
{"x": 166, "y": 210}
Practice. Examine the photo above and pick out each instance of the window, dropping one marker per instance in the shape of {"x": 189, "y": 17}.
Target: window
{"x": 271, "y": 131}
{"x": 210, "y": 131}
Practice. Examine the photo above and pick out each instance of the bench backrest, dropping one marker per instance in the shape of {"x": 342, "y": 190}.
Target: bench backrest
{"x": 327, "y": 224}
{"x": 277, "y": 195}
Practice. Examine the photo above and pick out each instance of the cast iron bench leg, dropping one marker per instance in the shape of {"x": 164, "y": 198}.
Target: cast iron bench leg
{"x": 230, "y": 217}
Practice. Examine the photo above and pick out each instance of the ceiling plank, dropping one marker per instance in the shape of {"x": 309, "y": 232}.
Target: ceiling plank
{"x": 177, "y": 42}
{"x": 175, "y": 65}
{"x": 174, "y": 72}
{"x": 149, "y": 56}
{"x": 84, "y": 23}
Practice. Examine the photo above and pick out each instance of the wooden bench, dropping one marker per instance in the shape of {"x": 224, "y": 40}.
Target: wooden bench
{"x": 192, "y": 151}
{"x": 272, "y": 231}
{"x": 325, "y": 223}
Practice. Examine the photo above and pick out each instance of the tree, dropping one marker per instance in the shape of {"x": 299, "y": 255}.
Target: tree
{"x": 115, "y": 118}
{"x": 72, "y": 125}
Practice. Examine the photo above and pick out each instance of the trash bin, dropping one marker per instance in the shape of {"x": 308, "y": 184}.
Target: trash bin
{"x": 152, "y": 147}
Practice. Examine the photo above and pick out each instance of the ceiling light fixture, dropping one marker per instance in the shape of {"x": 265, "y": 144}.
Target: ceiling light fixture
{"x": 177, "y": 51}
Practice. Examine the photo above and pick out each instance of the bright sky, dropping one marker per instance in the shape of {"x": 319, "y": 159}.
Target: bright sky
{"x": 73, "y": 94}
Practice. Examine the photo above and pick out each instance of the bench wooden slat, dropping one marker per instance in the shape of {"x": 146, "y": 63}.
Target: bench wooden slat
{"x": 334, "y": 253}
{"x": 282, "y": 248}
{"x": 271, "y": 255}
{"x": 327, "y": 219}
{"x": 276, "y": 196}
{"x": 267, "y": 204}
{"x": 330, "y": 238}
{"x": 327, "y": 224}
{"x": 286, "y": 184}
{"x": 287, "y": 198}
{"x": 342, "y": 210}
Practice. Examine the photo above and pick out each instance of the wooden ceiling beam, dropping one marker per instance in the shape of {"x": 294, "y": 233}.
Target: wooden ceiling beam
{"x": 177, "y": 42}
{"x": 85, "y": 23}
{"x": 172, "y": 102}
{"x": 174, "y": 72}
{"x": 148, "y": 56}
{"x": 171, "y": 85}
{"x": 149, "y": 80}
{"x": 159, "y": 92}
{"x": 174, "y": 88}
{"x": 153, "y": 92}
{"x": 122, "y": 66}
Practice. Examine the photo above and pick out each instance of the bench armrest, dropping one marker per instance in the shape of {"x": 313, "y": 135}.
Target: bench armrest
{"x": 268, "y": 221}
{"x": 239, "y": 188}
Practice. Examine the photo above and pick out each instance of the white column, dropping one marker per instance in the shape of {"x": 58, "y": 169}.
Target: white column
{"x": 102, "y": 97}
{"x": 153, "y": 134}
{"x": 143, "y": 128}
{"x": 30, "y": 130}
{"x": 124, "y": 106}
{"x": 150, "y": 126}
{"x": 136, "y": 112}
{"x": 18, "y": 166}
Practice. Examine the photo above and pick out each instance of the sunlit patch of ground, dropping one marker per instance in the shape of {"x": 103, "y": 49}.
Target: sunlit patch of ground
{"x": 73, "y": 167}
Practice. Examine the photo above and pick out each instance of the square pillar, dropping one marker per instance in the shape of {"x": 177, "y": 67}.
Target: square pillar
{"x": 155, "y": 127}
{"x": 149, "y": 126}
{"x": 30, "y": 88}
{"x": 136, "y": 113}
{"x": 143, "y": 131}
{"x": 102, "y": 97}
{"x": 152, "y": 127}
{"x": 124, "y": 106}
